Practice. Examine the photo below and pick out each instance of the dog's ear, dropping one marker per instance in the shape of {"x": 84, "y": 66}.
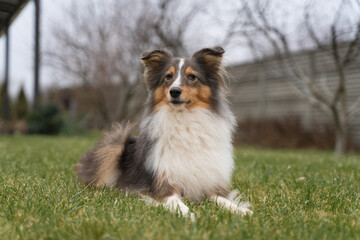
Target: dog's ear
{"x": 154, "y": 61}
{"x": 209, "y": 58}
{"x": 156, "y": 58}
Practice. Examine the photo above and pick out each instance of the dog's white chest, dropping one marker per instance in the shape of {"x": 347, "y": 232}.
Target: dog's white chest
{"x": 193, "y": 149}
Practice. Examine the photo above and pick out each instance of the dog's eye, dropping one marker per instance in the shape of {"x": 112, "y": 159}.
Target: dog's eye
{"x": 192, "y": 77}
{"x": 168, "y": 76}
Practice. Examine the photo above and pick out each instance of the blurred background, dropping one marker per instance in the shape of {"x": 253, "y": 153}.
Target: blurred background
{"x": 67, "y": 67}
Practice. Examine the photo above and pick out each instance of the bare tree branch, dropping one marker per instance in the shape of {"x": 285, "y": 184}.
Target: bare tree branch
{"x": 353, "y": 49}
{"x": 100, "y": 46}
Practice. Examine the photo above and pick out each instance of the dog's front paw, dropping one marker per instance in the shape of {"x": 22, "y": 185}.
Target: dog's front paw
{"x": 242, "y": 211}
{"x": 236, "y": 207}
{"x": 243, "y": 208}
{"x": 191, "y": 216}
{"x": 185, "y": 212}
{"x": 174, "y": 204}
{"x": 240, "y": 208}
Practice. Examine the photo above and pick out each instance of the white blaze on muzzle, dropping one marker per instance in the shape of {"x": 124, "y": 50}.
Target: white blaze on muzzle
{"x": 177, "y": 81}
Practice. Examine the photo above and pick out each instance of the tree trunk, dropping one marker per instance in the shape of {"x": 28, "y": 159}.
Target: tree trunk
{"x": 340, "y": 142}
{"x": 340, "y": 131}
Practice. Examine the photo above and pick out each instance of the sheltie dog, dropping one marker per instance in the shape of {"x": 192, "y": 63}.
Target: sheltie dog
{"x": 184, "y": 147}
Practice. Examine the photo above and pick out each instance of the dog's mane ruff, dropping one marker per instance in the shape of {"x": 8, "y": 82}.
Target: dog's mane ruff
{"x": 192, "y": 150}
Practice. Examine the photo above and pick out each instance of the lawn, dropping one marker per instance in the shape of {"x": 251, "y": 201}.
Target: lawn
{"x": 294, "y": 194}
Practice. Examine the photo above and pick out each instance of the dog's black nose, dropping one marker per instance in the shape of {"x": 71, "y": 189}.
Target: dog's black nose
{"x": 175, "y": 92}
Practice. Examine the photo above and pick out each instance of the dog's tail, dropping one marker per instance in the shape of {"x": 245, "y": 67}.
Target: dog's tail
{"x": 100, "y": 166}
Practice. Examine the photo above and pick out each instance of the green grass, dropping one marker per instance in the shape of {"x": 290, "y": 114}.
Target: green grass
{"x": 295, "y": 194}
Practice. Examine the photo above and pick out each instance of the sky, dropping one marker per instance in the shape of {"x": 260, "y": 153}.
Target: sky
{"x": 22, "y": 42}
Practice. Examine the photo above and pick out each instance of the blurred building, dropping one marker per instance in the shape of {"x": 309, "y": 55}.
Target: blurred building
{"x": 82, "y": 104}
{"x": 75, "y": 103}
{"x": 261, "y": 90}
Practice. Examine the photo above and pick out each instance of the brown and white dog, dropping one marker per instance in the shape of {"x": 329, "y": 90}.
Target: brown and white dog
{"x": 184, "y": 148}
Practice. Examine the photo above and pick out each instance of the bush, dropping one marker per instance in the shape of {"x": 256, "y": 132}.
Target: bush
{"x": 47, "y": 119}
{"x": 287, "y": 132}
{"x": 21, "y": 105}
{"x": 70, "y": 127}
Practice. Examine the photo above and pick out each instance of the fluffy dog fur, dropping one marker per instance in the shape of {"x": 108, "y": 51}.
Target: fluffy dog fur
{"x": 184, "y": 148}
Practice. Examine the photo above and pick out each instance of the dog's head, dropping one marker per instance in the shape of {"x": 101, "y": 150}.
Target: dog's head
{"x": 184, "y": 82}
